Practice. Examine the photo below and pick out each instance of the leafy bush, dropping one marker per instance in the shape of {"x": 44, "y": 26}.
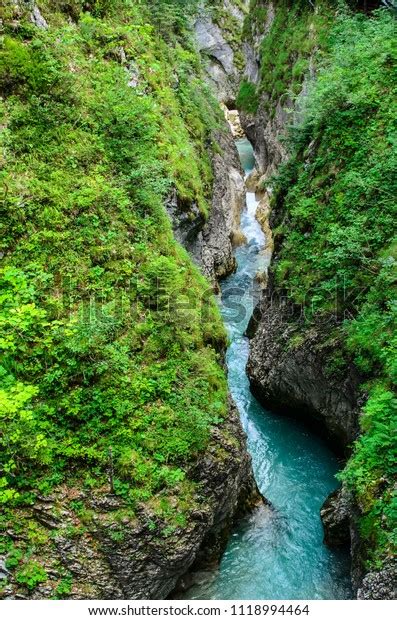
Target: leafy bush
{"x": 31, "y": 574}
{"x": 296, "y": 32}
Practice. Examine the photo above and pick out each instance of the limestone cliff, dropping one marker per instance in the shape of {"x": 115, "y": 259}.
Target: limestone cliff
{"x": 289, "y": 375}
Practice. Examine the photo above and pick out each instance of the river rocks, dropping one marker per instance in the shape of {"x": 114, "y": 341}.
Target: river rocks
{"x": 335, "y": 515}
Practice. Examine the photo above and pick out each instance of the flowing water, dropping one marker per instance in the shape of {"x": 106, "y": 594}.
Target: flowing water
{"x": 273, "y": 553}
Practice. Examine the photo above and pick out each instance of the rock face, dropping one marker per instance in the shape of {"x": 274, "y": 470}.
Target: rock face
{"x": 210, "y": 242}
{"x": 380, "y": 585}
{"x": 218, "y": 38}
{"x": 340, "y": 516}
{"x": 139, "y": 559}
{"x": 220, "y": 67}
{"x": 335, "y": 515}
{"x": 287, "y": 374}
{"x": 144, "y": 564}
{"x": 265, "y": 132}
{"x": 267, "y": 128}
{"x": 37, "y": 19}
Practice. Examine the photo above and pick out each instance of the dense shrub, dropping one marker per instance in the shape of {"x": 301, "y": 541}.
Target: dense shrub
{"x": 297, "y": 32}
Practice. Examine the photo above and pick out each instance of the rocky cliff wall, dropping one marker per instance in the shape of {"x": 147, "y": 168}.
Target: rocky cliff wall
{"x": 218, "y": 35}
{"x": 287, "y": 371}
{"x": 210, "y": 242}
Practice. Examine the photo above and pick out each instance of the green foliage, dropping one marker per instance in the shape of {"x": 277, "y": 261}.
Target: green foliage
{"x": 337, "y": 196}
{"x": 296, "y": 32}
{"x": 247, "y": 98}
{"x": 172, "y": 16}
{"x": 13, "y": 558}
{"x": 64, "y": 587}
{"x": 372, "y": 470}
{"x": 31, "y": 574}
{"x": 106, "y": 346}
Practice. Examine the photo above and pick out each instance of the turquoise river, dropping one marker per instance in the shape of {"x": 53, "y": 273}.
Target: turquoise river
{"x": 274, "y": 553}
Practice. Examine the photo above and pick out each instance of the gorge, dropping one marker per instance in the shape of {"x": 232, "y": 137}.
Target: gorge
{"x": 130, "y": 465}
{"x": 277, "y": 551}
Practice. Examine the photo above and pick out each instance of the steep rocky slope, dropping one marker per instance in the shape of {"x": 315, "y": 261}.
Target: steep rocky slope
{"x": 218, "y": 33}
{"x": 100, "y": 550}
{"x": 288, "y": 372}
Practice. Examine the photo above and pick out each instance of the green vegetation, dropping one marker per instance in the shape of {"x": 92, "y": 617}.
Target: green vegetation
{"x": 247, "y": 98}
{"x": 337, "y": 195}
{"x": 297, "y": 31}
{"x": 31, "y": 575}
{"x": 289, "y": 46}
{"x": 103, "y": 383}
{"x": 255, "y": 18}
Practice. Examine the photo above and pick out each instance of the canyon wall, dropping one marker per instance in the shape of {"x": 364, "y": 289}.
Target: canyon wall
{"x": 296, "y": 365}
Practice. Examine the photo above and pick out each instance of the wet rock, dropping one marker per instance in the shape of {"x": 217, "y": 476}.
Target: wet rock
{"x": 335, "y": 515}
{"x": 210, "y": 242}
{"x": 263, "y": 217}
